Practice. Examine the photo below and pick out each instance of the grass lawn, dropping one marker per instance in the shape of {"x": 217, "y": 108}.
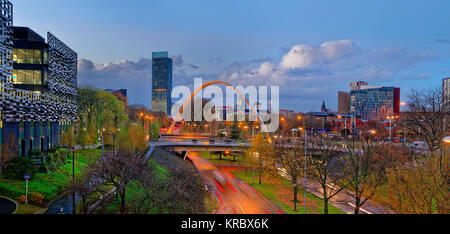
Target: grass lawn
{"x": 28, "y": 209}
{"x": 230, "y": 160}
{"x": 278, "y": 190}
{"x": 50, "y": 185}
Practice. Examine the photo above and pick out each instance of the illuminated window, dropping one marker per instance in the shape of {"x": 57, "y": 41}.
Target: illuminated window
{"x": 28, "y": 56}
{"x": 30, "y": 77}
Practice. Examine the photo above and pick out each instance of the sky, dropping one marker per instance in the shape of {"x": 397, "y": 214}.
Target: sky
{"x": 311, "y": 49}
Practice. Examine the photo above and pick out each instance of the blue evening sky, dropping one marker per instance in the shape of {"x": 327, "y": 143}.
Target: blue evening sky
{"x": 403, "y": 43}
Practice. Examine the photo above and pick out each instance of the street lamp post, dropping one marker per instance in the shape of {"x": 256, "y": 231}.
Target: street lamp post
{"x": 284, "y": 121}
{"x": 306, "y": 184}
{"x": 390, "y": 127}
{"x": 403, "y": 104}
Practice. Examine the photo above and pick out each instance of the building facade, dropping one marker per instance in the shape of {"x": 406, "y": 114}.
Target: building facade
{"x": 38, "y": 86}
{"x": 343, "y": 103}
{"x": 446, "y": 92}
{"x": 162, "y": 82}
{"x": 375, "y": 103}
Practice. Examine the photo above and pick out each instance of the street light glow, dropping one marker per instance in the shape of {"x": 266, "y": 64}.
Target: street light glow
{"x": 446, "y": 140}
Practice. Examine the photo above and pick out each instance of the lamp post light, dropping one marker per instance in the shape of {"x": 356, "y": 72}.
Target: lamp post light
{"x": 403, "y": 104}
{"x": 390, "y": 127}
{"x": 284, "y": 125}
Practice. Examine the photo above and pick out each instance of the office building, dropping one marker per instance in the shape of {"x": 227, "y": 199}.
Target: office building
{"x": 38, "y": 86}
{"x": 343, "y": 103}
{"x": 446, "y": 92}
{"x": 374, "y": 103}
{"x": 161, "y": 82}
{"x": 357, "y": 85}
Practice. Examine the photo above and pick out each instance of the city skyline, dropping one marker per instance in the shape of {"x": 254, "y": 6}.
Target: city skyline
{"x": 408, "y": 47}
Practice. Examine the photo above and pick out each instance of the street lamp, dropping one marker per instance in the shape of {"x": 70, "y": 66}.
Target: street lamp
{"x": 446, "y": 140}
{"x": 283, "y": 120}
{"x": 390, "y": 118}
{"x": 403, "y": 104}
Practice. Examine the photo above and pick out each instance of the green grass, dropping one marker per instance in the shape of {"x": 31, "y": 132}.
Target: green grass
{"x": 215, "y": 159}
{"x": 28, "y": 209}
{"x": 270, "y": 189}
{"x": 50, "y": 185}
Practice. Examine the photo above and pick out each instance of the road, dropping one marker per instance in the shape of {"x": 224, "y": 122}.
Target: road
{"x": 234, "y": 195}
{"x": 342, "y": 200}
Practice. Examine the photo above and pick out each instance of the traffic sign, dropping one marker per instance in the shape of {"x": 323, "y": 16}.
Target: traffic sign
{"x": 26, "y": 176}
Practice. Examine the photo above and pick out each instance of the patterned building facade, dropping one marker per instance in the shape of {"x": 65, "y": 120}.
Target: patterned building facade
{"x": 38, "y": 86}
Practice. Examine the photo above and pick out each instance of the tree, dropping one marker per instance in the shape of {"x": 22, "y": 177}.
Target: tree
{"x": 84, "y": 185}
{"x": 260, "y": 149}
{"x": 235, "y": 133}
{"x": 10, "y": 149}
{"x": 360, "y": 174}
{"x": 132, "y": 138}
{"x": 426, "y": 117}
{"x": 154, "y": 131}
{"x": 291, "y": 159}
{"x": 324, "y": 167}
{"x": 120, "y": 169}
{"x": 417, "y": 190}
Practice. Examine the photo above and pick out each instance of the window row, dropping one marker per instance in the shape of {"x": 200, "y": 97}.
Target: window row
{"x": 29, "y": 56}
{"x": 29, "y": 77}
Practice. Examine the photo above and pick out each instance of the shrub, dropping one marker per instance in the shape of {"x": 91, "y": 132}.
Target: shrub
{"x": 17, "y": 167}
{"x": 37, "y": 198}
{"x": 56, "y": 159}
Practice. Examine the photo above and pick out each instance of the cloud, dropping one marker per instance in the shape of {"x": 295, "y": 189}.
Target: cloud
{"x": 306, "y": 74}
{"x": 179, "y": 63}
{"x": 132, "y": 75}
{"x": 303, "y": 56}
{"x": 314, "y": 73}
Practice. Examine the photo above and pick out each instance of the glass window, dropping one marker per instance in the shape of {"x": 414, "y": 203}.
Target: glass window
{"x": 32, "y": 77}
{"x": 28, "y": 56}
{"x": 45, "y": 57}
{"x": 37, "y": 57}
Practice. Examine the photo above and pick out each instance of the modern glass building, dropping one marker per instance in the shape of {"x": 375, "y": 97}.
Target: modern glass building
{"x": 375, "y": 103}
{"x": 38, "y": 86}
{"x": 30, "y": 60}
{"x": 162, "y": 82}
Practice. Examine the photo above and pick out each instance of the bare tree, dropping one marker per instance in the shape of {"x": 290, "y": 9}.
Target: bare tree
{"x": 84, "y": 186}
{"x": 426, "y": 117}
{"x": 120, "y": 169}
{"x": 324, "y": 169}
{"x": 291, "y": 160}
{"x": 360, "y": 174}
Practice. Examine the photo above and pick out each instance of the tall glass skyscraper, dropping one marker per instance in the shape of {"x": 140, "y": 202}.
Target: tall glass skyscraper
{"x": 162, "y": 82}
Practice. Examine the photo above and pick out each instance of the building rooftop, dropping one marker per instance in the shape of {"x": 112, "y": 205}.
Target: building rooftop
{"x": 25, "y": 33}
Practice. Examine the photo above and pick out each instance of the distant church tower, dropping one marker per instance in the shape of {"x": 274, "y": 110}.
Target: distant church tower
{"x": 324, "y": 108}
